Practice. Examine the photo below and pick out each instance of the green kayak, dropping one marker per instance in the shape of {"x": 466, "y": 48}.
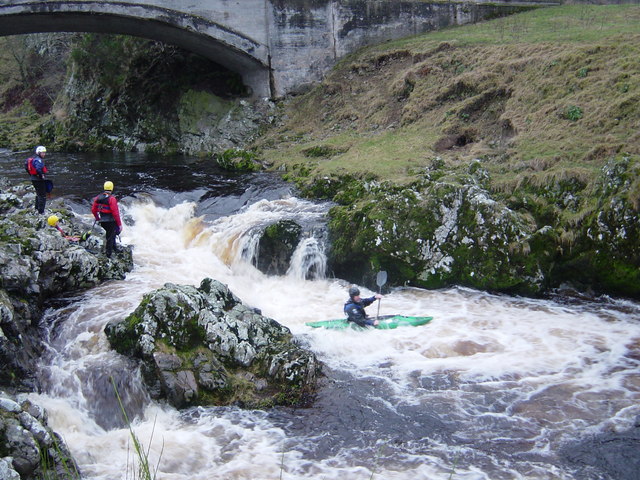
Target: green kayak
{"x": 386, "y": 322}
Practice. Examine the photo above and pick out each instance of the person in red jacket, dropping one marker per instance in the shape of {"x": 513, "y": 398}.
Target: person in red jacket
{"x": 105, "y": 210}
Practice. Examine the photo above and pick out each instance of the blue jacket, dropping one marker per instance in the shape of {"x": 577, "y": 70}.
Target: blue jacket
{"x": 355, "y": 310}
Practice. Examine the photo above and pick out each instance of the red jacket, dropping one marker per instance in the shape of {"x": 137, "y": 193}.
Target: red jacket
{"x": 105, "y": 209}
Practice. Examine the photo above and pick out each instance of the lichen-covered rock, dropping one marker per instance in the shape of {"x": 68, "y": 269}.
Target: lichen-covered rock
{"x": 204, "y": 346}
{"x": 609, "y": 248}
{"x": 37, "y": 260}
{"x": 30, "y": 448}
{"x": 435, "y": 234}
{"x": 439, "y": 232}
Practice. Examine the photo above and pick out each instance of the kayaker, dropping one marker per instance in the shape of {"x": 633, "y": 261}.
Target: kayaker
{"x": 354, "y": 308}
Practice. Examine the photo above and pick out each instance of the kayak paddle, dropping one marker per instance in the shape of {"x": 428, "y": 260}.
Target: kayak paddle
{"x": 381, "y": 279}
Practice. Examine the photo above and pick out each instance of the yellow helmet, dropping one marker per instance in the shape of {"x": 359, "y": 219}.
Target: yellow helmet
{"x": 53, "y": 220}
{"x": 108, "y": 185}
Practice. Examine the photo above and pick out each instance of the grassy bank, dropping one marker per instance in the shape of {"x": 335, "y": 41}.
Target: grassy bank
{"x": 540, "y": 96}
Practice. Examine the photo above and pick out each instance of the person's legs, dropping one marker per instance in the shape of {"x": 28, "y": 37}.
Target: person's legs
{"x": 110, "y": 237}
{"x": 41, "y": 194}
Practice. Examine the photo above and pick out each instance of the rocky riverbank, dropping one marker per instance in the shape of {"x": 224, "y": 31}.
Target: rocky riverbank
{"x": 37, "y": 263}
{"x": 440, "y": 231}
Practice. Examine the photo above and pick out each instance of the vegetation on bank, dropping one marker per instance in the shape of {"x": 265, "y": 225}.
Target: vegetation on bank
{"x": 537, "y": 110}
{"x": 32, "y": 71}
{"x": 92, "y": 92}
{"x": 534, "y": 94}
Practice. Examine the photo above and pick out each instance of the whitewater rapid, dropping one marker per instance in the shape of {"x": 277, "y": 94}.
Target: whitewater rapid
{"x": 491, "y": 389}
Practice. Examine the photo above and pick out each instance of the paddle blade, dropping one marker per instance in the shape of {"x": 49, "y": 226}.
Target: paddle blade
{"x": 381, "y": 278}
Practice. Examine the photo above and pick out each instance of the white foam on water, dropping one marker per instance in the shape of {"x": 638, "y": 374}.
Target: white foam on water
{"x": 503, "y": 369}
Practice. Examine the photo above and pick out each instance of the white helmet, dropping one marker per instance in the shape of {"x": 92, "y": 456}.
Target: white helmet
{"x": 40, "y": 150}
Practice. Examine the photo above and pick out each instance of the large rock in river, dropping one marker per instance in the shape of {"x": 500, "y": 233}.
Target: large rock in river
{"x": 203, "y": 346}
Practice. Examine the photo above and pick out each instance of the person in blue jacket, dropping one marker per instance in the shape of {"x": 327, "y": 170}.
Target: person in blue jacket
{"x": 36, "y": 169}
{"x": 354, "y": 308}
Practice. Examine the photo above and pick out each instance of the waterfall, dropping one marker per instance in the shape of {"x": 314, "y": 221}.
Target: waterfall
{"x": 235, "y": 239}
{"x": 250, "y": 242}
{"x": 308, "y": 260}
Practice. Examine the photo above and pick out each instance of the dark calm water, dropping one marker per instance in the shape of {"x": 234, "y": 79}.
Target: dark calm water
{"x": 171, "y": 180}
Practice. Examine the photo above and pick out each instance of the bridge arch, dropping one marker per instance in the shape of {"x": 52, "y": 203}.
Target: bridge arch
{"x": 227, "y": 47}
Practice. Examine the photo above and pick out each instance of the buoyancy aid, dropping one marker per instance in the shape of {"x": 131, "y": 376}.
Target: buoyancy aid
{"x": 30, "y": 167}
{"x": 104, "y": 207}
{"x": 355, "y": 310}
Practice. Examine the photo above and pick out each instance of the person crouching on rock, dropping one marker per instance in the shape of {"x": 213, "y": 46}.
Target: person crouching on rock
{"x": 354, "y": 308}
{"x": 53, "y": 221}
{"x": 105, "y": 210}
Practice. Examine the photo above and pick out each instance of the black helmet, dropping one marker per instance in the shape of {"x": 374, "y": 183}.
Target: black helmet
{"x": 354, "y": 291}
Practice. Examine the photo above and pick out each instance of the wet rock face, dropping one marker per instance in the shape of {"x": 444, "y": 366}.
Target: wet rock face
{"x": 437, "y": 233}
{"x": 30, "y": 448}
{"x": 36, "y": 263}
{"x": 19, "y": 344}
{"x": 203, "y": 346}
{"x": 277, "y": 245}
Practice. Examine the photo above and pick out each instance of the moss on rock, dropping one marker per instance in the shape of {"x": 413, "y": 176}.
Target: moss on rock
{"x": 202, "y": 345}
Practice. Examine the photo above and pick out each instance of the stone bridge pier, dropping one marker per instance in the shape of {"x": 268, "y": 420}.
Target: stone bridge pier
{"x": 277, "y": 46}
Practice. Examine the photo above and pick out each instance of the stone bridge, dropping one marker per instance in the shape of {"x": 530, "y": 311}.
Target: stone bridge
{"x": 277, "y": 46}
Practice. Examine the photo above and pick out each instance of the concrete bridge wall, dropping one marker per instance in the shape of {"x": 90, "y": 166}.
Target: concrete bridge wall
{"x": 278, "y": 46}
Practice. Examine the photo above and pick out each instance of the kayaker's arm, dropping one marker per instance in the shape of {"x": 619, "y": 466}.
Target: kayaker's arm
{"x": 368, "y": 301}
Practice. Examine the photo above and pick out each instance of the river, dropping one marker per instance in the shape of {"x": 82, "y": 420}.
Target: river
{"x": 495, "y": 387}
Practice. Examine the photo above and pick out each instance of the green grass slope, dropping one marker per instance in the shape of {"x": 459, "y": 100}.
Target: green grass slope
{"x": 547, "y": 93}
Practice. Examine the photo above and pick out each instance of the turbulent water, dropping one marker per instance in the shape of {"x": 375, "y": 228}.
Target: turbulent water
{"x": 495, "y": 387}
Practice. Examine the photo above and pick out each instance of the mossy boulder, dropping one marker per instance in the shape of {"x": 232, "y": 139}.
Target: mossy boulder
{"x": 203, "y": 346}
{"x": 277, "y": 244}
{"x": 436, "y": 234}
